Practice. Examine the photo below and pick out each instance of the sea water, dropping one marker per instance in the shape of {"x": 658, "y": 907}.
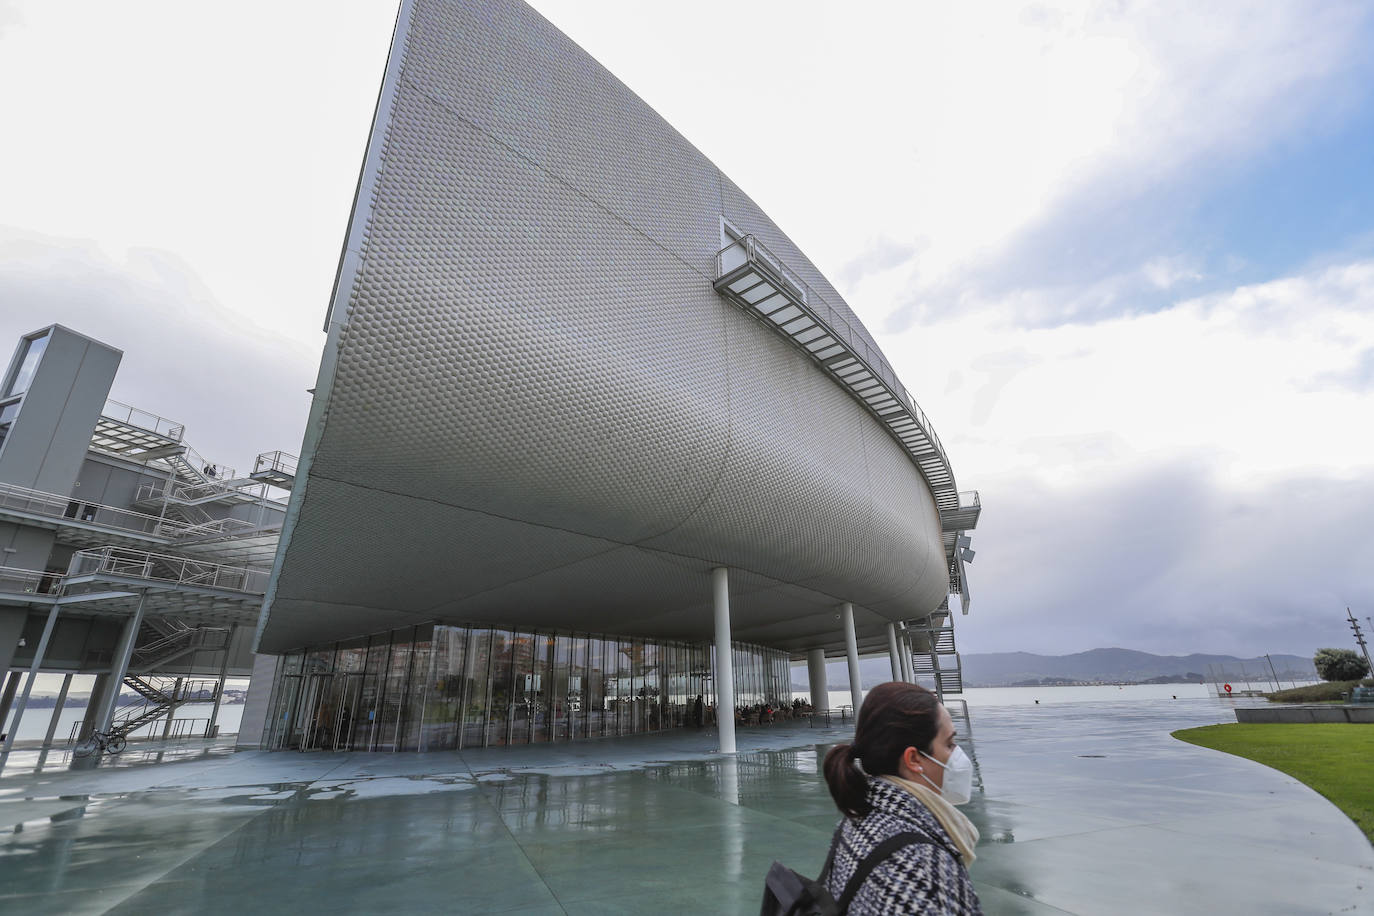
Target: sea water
{"x": 36, "y": 719}
{"x": 1054, "y": 696}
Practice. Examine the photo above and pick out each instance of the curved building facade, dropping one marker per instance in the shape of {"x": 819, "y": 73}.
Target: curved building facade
{"x": 571, "y": 369}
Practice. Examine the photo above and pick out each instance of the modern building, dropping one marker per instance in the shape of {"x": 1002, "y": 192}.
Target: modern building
{"x": 126, "y": 554}
{"x": 591, "y": 438}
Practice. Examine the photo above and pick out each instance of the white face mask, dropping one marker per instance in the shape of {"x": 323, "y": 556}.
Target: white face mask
{"x": 957, "y": 786}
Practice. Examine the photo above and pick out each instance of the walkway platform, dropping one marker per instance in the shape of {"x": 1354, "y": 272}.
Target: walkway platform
{"x": 1086, "y": 808}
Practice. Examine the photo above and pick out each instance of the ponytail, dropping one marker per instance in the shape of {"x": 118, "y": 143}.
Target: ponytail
{"x": 848, "y": 785}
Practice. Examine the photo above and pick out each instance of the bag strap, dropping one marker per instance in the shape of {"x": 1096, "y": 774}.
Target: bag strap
{"x": 875, "y": 858}
{"x": 835, "y": 841}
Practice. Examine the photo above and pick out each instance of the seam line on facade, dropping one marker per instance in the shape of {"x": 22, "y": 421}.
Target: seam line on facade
{"x": 618, "y": 544}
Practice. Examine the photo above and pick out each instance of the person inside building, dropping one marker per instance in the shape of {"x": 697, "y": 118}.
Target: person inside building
{"x": 903, "y": 775}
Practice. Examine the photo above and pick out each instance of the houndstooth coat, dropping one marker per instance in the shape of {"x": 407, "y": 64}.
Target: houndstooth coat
{"x": 924, "y": 878}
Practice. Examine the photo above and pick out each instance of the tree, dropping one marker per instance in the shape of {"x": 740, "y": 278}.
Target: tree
{"x": 1339, "y": 665}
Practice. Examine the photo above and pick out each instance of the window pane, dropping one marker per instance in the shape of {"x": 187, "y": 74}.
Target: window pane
{"x": 524, "y": 686}
{"x": 499, "y": 712}
{"x": 369, "y": 704}
{"x": 476, "y": 684}
{"x": 418, "y": 682}
{"x": 28, "y": 365}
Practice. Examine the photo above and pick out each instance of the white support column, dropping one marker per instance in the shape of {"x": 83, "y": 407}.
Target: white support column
{"x": 57, "y": 711}
{"x": 815, "y": 670}
{"x": 894, "y": 659}
{"x": 120, "y": 665}
{"x": 725, "y": 668}
{"x": 38, "y": 654}
{"x": 851, "y": 649}
{"x": 211, "y": 730}
{"x": 172, "y": 710}
{"x": 904, "y": 654}
{"x": 7, "y": 697}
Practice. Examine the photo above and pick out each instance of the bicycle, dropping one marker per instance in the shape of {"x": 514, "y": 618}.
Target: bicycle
{"x": 103, "y": 742}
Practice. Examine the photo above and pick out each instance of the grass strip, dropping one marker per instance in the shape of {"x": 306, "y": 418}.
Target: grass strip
{"x": 1334, "y": 758}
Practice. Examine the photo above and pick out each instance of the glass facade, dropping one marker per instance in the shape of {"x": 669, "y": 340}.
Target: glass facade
{"x": 437, "y": 687}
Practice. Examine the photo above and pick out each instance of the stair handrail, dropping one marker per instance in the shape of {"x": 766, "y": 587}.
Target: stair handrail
{"x": 198, "y": 463}
{"x": 190, "y": 494}
{"x": 182, "y": 640}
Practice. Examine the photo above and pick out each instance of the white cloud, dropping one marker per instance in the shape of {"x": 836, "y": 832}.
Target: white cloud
{"x": 239, "y": 388}
{"x": 1190, "y": 479}
{"x": 1168, "y": 559}
{"x": 1167, "y": 272}
{"x": 230, "y": 135}
{"x": 1249, "y": 379}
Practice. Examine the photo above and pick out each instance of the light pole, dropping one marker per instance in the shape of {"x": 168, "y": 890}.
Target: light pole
{"x": 1359, "y": 638}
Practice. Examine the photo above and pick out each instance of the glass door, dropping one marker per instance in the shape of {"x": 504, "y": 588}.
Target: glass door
{"x": 284, "y": 712}
{"x": 317, "y": 716}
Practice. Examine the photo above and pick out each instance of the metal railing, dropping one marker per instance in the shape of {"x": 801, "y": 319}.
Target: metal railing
{"x": 51, "y": 505}
{"x": 29, "y": 581}
{"x": 743, "y": 251}
{"x": 201, "y": 466}
{"x": 133, "y": 416}
{"x": 184, "y": 493}
{"x": 279, "y": 461}
{"x": 835, "y": 323}
{"x": 171, "y": 429}
{"x": 181, "y": 730}
{"x": 138, "y": 564}
{"x": 969, "y": 499}
{"x": 190, "y": 496}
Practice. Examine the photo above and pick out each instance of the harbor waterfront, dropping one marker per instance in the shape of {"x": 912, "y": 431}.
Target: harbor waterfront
{"x": 34, "y": 727}
{"x": 1084, "y": 807}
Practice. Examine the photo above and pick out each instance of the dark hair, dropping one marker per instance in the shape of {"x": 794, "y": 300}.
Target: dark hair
{"x": 894, "y": 717}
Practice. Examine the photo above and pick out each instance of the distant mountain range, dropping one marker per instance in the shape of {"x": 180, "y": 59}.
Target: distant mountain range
{"x": 1000, "y": 669}
{"x": 1106, "y": 666}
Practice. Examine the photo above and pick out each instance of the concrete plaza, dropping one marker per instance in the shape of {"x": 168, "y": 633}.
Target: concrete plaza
{"x": 1085, "y": 808}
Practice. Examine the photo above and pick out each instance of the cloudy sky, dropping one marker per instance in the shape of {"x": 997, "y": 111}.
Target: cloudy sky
{"x": 1123, "y": 255}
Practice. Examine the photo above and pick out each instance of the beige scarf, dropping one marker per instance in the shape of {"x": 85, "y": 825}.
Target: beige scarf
{"x": 956, "y": 824}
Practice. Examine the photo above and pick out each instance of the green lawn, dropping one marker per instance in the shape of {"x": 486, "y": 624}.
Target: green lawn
{"x": 1335, "y": 758}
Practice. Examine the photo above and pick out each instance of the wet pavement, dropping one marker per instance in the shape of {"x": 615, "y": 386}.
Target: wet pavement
{"x": 1084, "y": 808}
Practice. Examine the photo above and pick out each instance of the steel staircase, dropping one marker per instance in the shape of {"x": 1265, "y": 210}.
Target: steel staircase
{"x": 159, "y": 696}
{"x": 182, "y": 504}
{"x": 934, "y": 657}
{"x": 171, "y": 639}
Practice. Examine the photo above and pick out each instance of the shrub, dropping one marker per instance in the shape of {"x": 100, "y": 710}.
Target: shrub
{"x": 1329, "y": 692}
{"x": 1339, "y": 665}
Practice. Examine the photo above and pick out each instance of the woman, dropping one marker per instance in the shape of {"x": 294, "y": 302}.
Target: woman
{"x": 903, "y": 775}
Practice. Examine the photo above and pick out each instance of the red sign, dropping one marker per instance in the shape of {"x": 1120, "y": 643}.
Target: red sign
{"x": 1227, "y": 687}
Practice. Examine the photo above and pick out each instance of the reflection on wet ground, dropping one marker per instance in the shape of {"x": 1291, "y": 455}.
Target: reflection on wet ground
{"x": 1085, "y": 808}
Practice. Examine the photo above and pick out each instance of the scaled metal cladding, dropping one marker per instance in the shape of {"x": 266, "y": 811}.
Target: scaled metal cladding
{"x": 533, "y": 407}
